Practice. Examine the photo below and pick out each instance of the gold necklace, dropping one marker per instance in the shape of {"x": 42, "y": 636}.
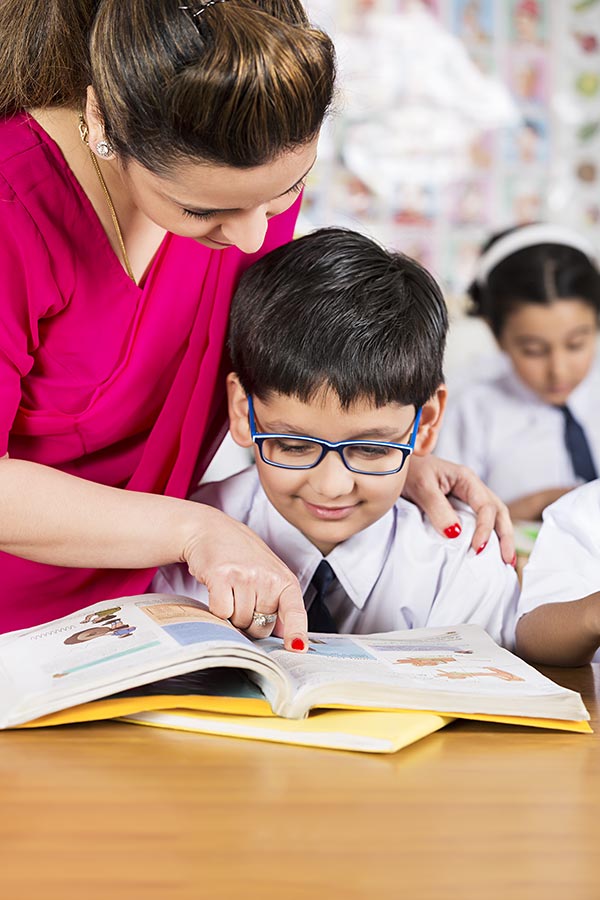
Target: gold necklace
{"x": 83, "y": 131}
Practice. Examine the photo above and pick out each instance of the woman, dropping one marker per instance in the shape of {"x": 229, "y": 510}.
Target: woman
{"x": 138, "y": 179}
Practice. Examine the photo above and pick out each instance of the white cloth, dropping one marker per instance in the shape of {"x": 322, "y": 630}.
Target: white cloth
{"x": 565, "y": 561}
{"x": 512, "y": 439}
{"x": 397, "y": 573}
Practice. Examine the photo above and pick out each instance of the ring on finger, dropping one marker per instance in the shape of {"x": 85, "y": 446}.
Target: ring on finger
{"x": 262, "y": 619}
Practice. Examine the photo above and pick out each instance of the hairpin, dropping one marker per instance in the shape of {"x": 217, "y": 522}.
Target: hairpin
{"x": 203, "y": 7}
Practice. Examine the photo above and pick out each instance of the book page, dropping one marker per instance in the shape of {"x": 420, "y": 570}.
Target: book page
{"x": 453, "y": 669}
{"x": 112, "y": 646}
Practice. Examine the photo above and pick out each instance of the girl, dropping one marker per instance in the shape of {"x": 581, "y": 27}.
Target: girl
{"x": 533, "y": 433}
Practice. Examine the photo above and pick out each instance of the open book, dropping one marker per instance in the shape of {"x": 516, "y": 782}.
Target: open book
{"x": 145, "y": 645}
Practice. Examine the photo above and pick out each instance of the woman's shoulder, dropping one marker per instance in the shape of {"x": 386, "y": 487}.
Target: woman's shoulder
{"x": 19, "y": 135}
{"x": 35, "y": 182}
{"x": 30, "y": 172}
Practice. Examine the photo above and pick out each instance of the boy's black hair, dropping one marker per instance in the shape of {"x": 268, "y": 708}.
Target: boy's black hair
{"x": 540, "y": 274}
{"x": 334, "y": 309}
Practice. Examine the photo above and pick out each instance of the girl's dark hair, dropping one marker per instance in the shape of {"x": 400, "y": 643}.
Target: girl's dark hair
{"x": 334, "y": 309}
{"x": 237, "y": 85}
{"x": 540, "y": 274}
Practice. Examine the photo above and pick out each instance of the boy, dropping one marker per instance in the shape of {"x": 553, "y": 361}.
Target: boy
{"x": 337, "y": 349}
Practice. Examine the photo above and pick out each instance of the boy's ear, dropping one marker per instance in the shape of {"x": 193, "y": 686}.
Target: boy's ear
{"x": 237, "y": 404}
{"x": 431, "y": 420}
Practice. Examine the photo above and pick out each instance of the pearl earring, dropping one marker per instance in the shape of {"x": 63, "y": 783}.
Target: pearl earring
{"x": 104, "y": 149}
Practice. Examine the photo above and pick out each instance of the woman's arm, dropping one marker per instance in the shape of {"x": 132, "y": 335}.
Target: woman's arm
{"x": 51, "y": 517}
{"x": 429, "y": 481}
{"x": 560, "y": 634}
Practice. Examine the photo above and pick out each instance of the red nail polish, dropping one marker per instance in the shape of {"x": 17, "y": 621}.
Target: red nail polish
{"x": 453, "y": 531}
{"x": 513, "y": 561}
{"x": 481, "y": 548}
{"x": 297, "y": 644}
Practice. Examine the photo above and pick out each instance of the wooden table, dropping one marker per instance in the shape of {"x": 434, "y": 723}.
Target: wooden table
{"x": 472, "y": 812}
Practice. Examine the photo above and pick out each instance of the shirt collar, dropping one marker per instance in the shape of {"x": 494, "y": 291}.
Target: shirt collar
{"x": 519, "y": 389}
{"x": 357, "y": 562}
{"x": 584, "y": 399}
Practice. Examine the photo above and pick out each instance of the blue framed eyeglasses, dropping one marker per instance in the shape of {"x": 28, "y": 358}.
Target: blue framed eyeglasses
{"x": 298, "y": 451}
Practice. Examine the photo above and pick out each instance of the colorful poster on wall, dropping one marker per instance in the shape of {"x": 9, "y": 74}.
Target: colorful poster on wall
{"x": 458, "y": 118}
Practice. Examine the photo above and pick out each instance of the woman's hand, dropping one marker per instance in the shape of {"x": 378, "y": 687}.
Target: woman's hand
{"x": 430, "y": 479}
{"x": 244, "y": 577}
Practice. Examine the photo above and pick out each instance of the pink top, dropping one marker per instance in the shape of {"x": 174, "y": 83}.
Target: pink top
{"x": 117, "y": 383}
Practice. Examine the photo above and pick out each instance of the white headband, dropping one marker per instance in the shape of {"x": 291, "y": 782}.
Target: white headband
{"x": 529, "y": 236}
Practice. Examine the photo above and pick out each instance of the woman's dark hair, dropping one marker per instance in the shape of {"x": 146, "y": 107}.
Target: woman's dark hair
{"x": 238, "y": 84}
{"x": 541, "y": 274}
{"x": 334, "y": 309}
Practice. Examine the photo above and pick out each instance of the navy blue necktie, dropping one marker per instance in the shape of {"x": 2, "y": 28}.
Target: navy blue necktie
{"x": 578, "y": 447}
{"x": 319, "y": 617}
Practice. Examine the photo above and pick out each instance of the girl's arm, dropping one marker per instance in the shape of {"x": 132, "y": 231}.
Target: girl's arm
{"x": 51, "y": 517}
{"x": 560, "y": 634}
{"x": 532, "y": 506}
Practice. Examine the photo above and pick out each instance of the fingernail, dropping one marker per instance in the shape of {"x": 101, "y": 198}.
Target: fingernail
{"x": 481, "y": 548}
{"x": 453, "y": 531}
{"x": 297, "y": 644}
{"x": 513, "y": 561}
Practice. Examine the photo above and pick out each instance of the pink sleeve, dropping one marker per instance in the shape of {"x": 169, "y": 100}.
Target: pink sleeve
{"x": 28, "y": 293}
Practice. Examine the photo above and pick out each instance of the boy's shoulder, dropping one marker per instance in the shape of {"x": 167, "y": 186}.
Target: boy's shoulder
{"x": 412, "y": 519}
{"x": 464, "y": 585}
{"x": 233, "y": 495}
{"x": 415, "y": 532}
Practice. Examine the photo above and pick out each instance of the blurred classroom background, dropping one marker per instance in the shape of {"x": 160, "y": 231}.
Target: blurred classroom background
{"x": 456, "y": 118}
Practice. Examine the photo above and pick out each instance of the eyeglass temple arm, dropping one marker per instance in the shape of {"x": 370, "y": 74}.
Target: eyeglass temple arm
{"x": 413, "y": 435}
{"x": 251, "y": 416}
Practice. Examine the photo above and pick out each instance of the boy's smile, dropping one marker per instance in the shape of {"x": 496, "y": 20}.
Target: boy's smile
{"x": 328, "y": 512}
{"x": 329, "y": 503}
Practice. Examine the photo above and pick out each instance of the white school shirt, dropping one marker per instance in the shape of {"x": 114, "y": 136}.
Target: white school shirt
{"x": 565, "y": 561}
{"x": 398, "y": 573}
{"x": 512, "y": 439}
